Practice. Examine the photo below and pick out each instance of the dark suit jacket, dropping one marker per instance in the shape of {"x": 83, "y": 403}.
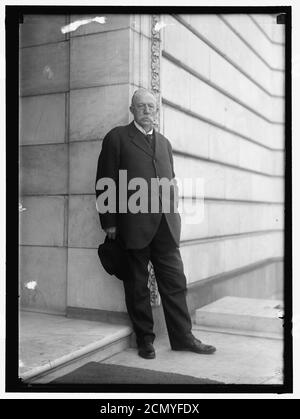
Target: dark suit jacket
{"x": 125, "y": 148}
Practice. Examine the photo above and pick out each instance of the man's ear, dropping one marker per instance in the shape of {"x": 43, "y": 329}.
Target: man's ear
{"x": 131, "y": 109}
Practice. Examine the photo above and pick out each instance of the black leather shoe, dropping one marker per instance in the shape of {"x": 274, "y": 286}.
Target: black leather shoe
{"x": 146, "y": 350}
{"x": 194, "y": 345}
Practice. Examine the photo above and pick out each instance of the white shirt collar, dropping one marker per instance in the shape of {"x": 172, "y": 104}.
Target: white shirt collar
{"x": 142, "y": 129}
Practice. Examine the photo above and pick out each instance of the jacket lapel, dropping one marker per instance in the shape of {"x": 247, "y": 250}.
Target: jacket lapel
{"x": 158, "y": 143}
{"x": 138, "y": 139}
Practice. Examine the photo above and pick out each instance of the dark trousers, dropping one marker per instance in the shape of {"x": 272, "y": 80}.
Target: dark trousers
{"x": 171, "y": 281}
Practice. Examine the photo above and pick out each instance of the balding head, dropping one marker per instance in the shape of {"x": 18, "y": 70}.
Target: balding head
{"x": 141, "y": 94}
{"x": 144, "y": 108}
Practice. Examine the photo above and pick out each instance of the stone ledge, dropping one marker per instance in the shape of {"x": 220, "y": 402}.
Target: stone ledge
{"x": 50, "y": 344}
{"x": 243, "y": 314}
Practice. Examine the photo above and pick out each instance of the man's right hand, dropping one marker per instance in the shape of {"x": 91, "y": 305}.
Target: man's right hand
{"x": 111, "y": 232}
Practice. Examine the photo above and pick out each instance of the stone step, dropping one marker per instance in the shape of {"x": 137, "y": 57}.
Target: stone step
{"x": 242, "y": 314}
{"x": 51, "y": 346}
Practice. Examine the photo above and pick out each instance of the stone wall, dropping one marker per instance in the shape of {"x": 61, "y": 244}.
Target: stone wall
{"x": 220, "y": 81}
{"x": 74, "y": 88}
{"x": 225, "y": 119}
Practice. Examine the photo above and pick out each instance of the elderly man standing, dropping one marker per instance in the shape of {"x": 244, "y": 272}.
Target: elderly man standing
{"x": 142, "y": 153}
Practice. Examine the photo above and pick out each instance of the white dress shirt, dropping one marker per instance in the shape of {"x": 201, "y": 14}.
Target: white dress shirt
{"x": 142, "y": 129}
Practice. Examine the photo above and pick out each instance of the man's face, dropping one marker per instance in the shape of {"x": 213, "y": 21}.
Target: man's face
{"x": 144, "y": 109}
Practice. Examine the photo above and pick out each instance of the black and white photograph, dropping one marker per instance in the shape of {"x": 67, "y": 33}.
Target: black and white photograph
{"x": 154, "y": 199}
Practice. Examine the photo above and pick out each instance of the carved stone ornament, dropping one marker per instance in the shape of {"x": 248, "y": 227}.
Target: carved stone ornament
{"x": 155, "y": 87}
{"x": 152, "y": 285}
{"x": 155, "y": 60}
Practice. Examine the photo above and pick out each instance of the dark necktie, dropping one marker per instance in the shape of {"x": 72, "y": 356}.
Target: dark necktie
{"x": 149, "y": 139}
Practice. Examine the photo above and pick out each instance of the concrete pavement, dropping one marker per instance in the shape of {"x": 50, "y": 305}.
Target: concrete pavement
{"x": 239, "y": 359}
{"x": 51, "y": 346}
